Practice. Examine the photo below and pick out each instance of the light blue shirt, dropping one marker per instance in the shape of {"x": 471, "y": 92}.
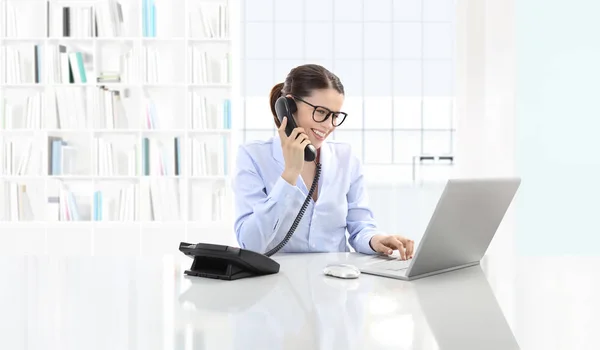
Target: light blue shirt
{"x": 266, "y": 205}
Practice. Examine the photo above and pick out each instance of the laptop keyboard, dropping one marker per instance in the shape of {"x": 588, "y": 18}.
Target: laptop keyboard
{"x": 394, "y": 265}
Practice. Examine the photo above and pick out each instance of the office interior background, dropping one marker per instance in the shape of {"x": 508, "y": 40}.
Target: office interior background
{"x": 135, "y": 150}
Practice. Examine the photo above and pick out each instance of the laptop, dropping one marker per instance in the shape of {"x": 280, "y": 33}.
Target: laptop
{"x": 459, "y": 232}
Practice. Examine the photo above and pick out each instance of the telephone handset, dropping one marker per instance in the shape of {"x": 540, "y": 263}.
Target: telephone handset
{"x": 284, "y": 107}
{"x": 231, "y": 263}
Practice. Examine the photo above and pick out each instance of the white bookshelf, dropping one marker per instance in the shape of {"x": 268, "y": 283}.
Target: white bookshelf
{"x": 66, "y": 136}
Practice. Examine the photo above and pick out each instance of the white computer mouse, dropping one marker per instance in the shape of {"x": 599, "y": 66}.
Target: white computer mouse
{"x": 342, "y": 271}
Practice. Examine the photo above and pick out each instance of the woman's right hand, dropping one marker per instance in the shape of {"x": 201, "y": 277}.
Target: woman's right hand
{"x": 293, "y": 151}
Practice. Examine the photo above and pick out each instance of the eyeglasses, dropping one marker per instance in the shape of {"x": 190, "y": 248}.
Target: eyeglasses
{"x": 321, "y": 114}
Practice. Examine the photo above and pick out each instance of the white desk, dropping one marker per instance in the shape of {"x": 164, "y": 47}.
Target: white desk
{"x": 119, "y": 303}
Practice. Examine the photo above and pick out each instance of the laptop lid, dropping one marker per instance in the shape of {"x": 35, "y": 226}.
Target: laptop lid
{"x": 463, "y": 223}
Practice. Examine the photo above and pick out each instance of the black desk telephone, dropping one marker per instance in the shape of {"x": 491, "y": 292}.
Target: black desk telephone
{"x": 230, "y": 263}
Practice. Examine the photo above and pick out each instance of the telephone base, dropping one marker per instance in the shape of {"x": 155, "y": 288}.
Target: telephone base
{"x": 225, "y": 262}
{"x": 218, "y": 269}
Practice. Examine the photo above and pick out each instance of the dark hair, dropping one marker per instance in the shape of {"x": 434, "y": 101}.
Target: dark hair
{"x": 301, "y": 81}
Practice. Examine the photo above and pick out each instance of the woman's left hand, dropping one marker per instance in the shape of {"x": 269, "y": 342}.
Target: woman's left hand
{"x": 387, "y": 244}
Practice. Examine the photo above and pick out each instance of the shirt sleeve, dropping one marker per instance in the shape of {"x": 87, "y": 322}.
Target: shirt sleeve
{"x": 360, "y": 223}
{"x": 261, "y": 219}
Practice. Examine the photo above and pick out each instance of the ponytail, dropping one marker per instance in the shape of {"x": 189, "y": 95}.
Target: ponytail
{"x": 275, "y": 94}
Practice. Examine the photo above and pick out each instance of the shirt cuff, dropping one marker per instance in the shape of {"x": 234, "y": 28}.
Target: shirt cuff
{"x": 282, "y": 190}
{"x": 363, "y": 243}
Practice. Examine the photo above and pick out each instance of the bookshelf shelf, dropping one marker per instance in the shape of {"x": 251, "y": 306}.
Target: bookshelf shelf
{"x": 113, "y": 102}
{"x": 22, "y": 40}
{"x": 210, "y": 132}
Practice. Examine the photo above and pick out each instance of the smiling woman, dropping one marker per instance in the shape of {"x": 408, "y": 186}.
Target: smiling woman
{"x": 272, "y": 179}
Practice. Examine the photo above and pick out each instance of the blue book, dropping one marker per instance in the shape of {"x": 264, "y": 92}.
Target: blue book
{"x": 56, "y": 157}
{"x": 152, "y": 19}
{"x": 38, "y": 63}
{"x": 178, "y": 155}
{"x": 227, "y": 114}
{"x": 146, "y": 156}
{"x": 81, "y": 67}
{"x": 144, "y": 17}
{"x": 99, "y": 206}
{"x": 72, "y": 204}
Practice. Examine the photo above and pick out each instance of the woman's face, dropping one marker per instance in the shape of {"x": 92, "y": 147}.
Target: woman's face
{"x": 324, "y": 100}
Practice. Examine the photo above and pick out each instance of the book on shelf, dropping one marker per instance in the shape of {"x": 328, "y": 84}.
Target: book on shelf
{"x": 209, "y": 156}
{"x": 103, "y": 18}
{"x": 151, "y": 60}
{"x": 109, "y": 77}
{"x": 62, "y": 157}
{"x": 209, "y": 69}
{"x": 150, "y": 113}
{"x": 210, "y": 21}
{"x": 125, "y": 207}
{"x": 148, "y": 18}
{"x": 210, "y": 113}
{"x": 74, "y": 107}
{"x": 70, "y": 110}
{"x": 8, "y": 25}
{"x": 22, "y": 65}
{"x": 161, "y": 157}
{"x": 28, "y": 162}
{"x": 63, "y": 207}
{"x": 67, "y": 66}
{"x": 107, "y": 108}
{"x": 15, "y": 204}
{"x": 109, "y": 19}
{"x": 160, "y": 200}
{"x": 111, "y": 163}
{"x": 30, "y": 116}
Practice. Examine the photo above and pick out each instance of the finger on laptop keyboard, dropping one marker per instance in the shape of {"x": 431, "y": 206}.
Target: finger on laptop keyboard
{"x": 397, "y": 244}
{"x": 410, "y": 248}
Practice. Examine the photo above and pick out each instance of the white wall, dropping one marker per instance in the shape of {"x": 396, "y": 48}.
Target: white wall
{"x": 558, "y": 118}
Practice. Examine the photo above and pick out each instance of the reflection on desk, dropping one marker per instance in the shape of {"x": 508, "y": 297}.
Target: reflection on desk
{"x": 302, "y": 309}
{"x": 143, "y": 303}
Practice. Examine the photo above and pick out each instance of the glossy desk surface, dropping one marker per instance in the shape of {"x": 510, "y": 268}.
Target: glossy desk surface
{"x": 137, "y": 303}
